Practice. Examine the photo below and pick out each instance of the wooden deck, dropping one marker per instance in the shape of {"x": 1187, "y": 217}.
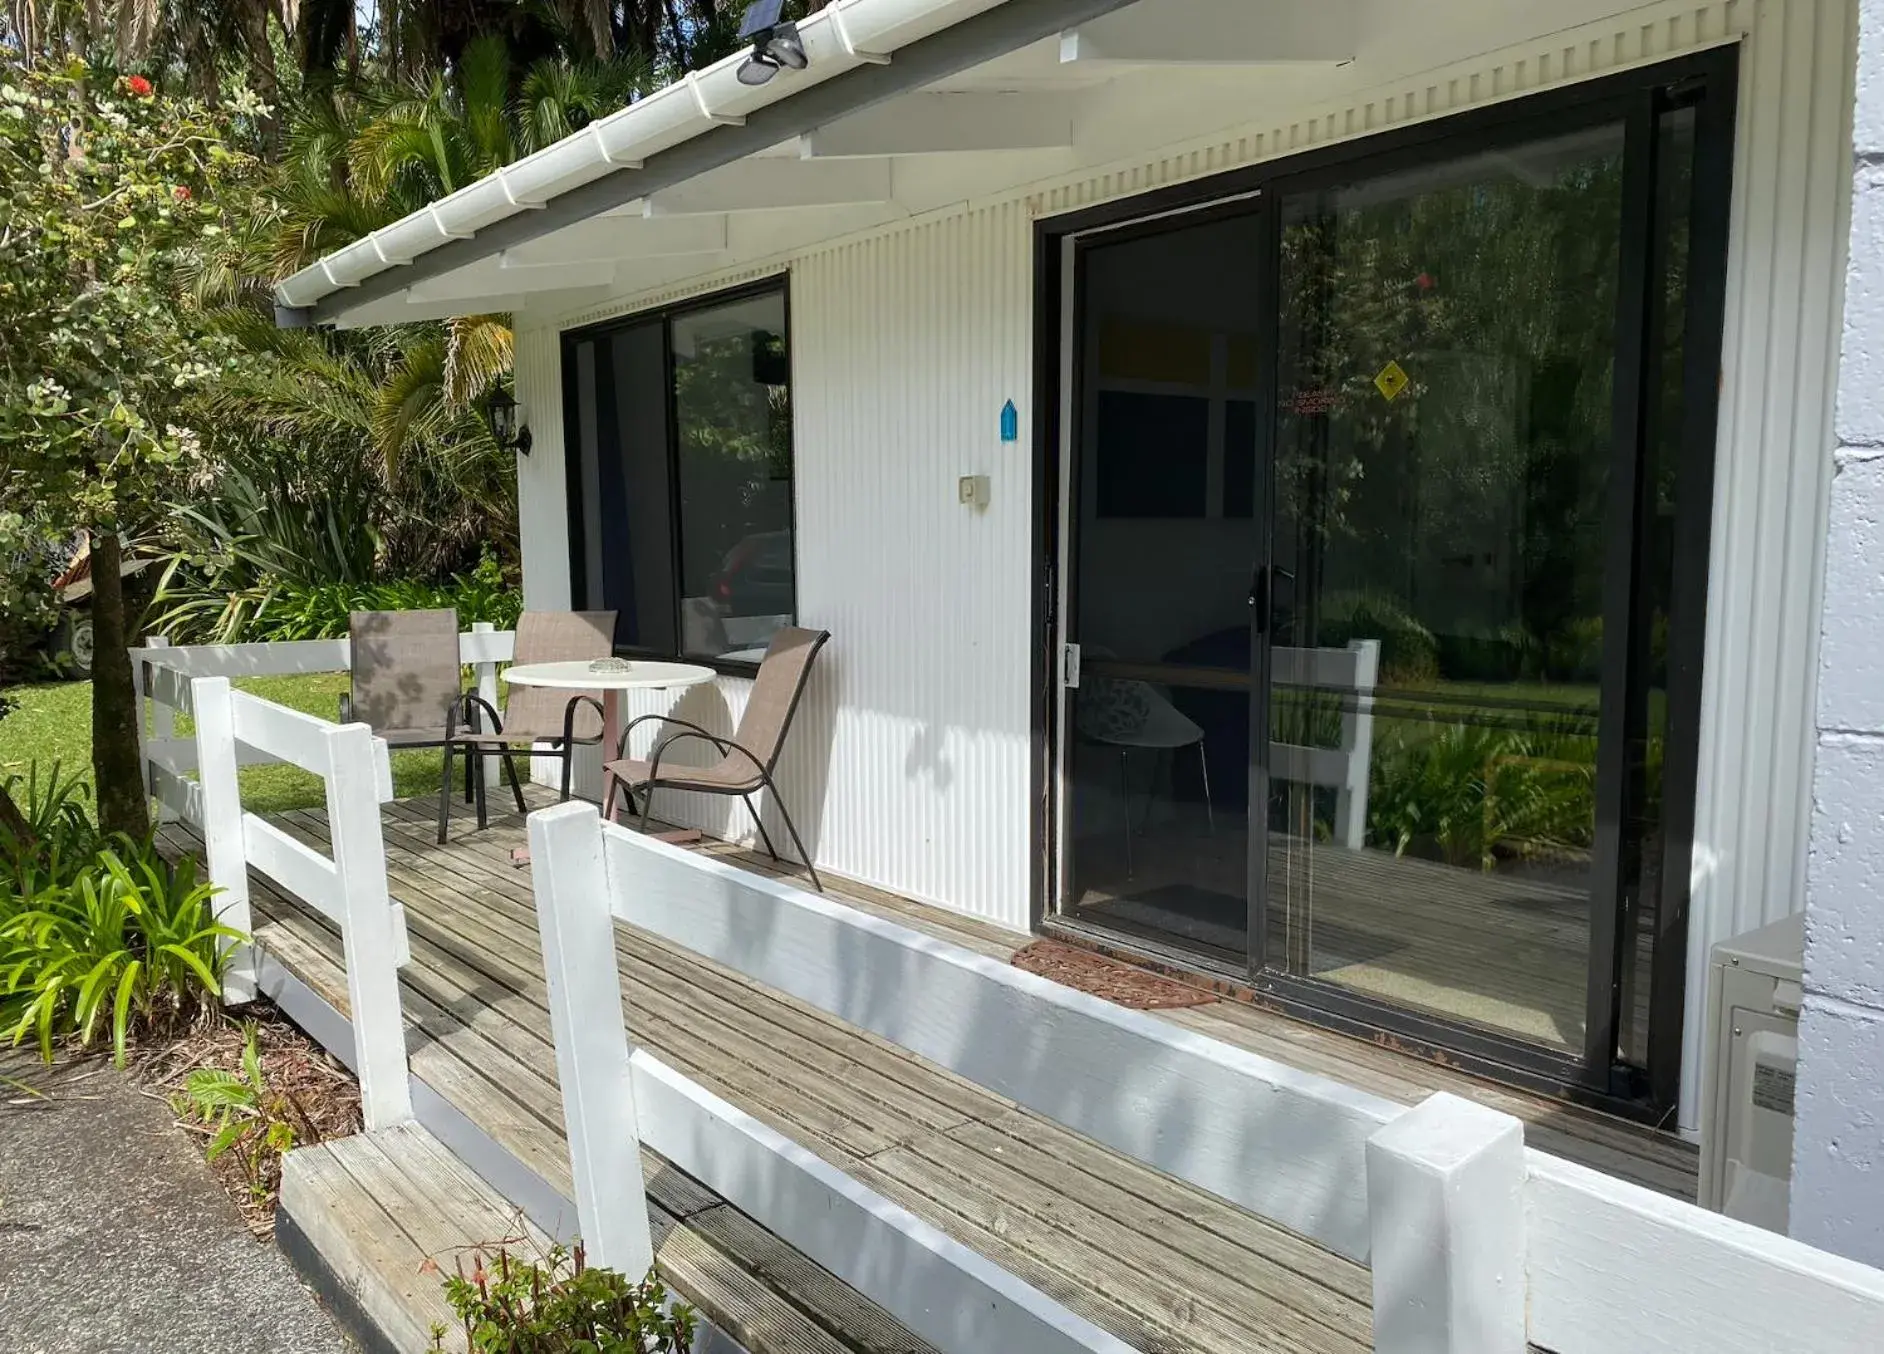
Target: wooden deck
{"x": 1163, "y": 1265}
{"x": 1499, "y": 950}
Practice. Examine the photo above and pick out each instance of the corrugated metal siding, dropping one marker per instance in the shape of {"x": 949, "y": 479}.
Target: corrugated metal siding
{"x": 909, "y": 765}
{"x": 908, "y": 345}
{"x": 542, "y": 494}
{"x": 1779, "y": 363}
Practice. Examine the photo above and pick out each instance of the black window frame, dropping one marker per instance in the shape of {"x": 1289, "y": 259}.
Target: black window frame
{"x": 778, "y": 284}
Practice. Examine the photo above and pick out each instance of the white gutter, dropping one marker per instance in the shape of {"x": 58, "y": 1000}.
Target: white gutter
{"x": 838, "y": 39}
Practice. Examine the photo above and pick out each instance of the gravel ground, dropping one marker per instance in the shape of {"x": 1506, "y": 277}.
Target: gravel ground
{"x": 115, "y": 1236}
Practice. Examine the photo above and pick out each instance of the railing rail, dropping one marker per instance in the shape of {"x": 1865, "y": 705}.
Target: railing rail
{"x": 1478, "y": 1245}
{"x": 164, "y": 672}
{"x": 234, "y": 728}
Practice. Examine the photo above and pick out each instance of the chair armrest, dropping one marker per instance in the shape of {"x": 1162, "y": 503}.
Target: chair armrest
{"x": 569, "y": 720}
{"x": 621, "y": 746}
{"x": 471, "y": 703}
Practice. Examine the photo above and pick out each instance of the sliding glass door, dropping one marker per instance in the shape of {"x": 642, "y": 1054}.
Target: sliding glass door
{"x": 1385, "y": 569}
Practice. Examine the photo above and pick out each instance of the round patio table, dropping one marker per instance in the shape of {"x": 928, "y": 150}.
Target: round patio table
{"x": 640, "y": 674}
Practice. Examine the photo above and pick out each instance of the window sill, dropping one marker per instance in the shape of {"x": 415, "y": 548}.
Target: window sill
{"x": 724, "y": 667}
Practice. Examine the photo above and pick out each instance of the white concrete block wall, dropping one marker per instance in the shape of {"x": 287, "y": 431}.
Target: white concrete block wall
{"x": 1838, "y": 1148}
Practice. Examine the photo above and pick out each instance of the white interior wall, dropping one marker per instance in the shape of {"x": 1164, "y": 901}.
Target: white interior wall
{"x": 908, "y": 338}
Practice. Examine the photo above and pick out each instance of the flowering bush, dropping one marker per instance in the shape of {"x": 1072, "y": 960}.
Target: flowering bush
{"x": 109, "y": 194}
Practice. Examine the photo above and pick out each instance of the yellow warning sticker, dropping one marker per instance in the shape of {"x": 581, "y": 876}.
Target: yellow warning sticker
{"x": 1392, "y": 381}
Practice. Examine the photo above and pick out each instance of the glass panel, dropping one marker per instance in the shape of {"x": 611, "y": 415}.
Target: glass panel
{"x": 623, "y": 505}
{"x": 732, "y": 412}
{"x": 1444, "y": 444}
{"x": 1164, "y": 541}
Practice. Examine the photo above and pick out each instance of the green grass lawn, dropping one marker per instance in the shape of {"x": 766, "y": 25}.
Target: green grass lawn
{"x": 53, "y": 723}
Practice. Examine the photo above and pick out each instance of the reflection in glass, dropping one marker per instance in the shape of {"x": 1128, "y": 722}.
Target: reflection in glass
{"x": 732, "y": 419}
{"x": 1164, "y": 540}
{"x": 1442, "y": 478}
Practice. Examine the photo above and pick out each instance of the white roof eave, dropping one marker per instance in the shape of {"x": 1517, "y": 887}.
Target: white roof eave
{"x": 838, "y": 39}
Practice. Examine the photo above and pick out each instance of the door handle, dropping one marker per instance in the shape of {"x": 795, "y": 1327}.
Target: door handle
{"x": 1259, "y": 599}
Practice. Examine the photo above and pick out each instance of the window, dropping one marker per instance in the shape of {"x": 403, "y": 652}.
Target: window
{"x": 680, "y": 477}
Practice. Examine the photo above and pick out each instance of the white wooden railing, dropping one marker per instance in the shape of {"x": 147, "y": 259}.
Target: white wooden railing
{"x": 1349, "y": 674}
{"x": 235, "y": 729}
{"x": 163, "y": 673}
{"x": 1478, "y": 1245}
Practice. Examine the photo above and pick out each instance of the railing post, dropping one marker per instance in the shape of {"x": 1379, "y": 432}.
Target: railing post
{"x": 1445, "y": 1200}
{"x": 578, "y": 926}
{"x": 221, "y": 801}
{"x": 163, "y": 723}
{"x": 1357, "y": 741}
{"x": 368, "y": 941}
{"x": 493, "y": 767}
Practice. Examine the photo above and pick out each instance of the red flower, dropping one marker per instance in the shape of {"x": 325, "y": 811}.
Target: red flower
{"x": 1424, "y": 282}
{"x": 181, "y": 192}
{"x": 139, "y": 86}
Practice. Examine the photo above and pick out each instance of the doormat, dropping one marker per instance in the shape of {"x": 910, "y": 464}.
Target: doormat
{"x": 1116, "y": 982}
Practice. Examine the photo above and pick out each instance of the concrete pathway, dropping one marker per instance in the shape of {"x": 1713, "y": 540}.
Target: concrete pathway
{"x": 114, "y": 1235}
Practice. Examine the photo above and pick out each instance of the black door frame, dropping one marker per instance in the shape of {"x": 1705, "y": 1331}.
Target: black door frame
{"x": 1706, "y": 81}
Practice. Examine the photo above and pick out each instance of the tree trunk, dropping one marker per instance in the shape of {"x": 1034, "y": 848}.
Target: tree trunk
{"x": 13, "y": 824}
{"x": 254, "y": 19}
{"x": 122, "y": 806}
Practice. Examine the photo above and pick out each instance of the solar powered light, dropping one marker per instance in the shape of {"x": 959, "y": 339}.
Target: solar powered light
{"x": 775, "y": 43}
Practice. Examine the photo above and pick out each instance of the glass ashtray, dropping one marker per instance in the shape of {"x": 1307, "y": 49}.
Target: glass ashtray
{"x": 610, "y": 665}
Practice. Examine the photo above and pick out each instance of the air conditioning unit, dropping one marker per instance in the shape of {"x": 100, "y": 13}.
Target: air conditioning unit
{"x": 1752, "y": 1061}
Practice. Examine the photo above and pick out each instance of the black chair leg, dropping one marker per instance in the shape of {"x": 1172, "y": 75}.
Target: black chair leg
{"x": 468, "y": 795}
{"x": 475, "y": 760}
{"x": 647, "y": 803}
{"x": 569, "y": 770}
{"x": 797, "y": 841}
{"x": 759, "y": 823}
{"x": 444, "y": 797}
{"x": 516, "y": 783}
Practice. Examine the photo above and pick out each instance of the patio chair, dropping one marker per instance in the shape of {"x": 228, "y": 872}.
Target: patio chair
{"x": 536, "y": 715}
{"x": 408, "y": 680}
{"x": 1131, "y": 715}
{"x": 747, "y": 759}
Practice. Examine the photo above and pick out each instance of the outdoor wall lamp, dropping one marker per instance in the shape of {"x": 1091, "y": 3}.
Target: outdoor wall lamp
{"x": 508, "y": 428}
{"x": 775, "y": 44}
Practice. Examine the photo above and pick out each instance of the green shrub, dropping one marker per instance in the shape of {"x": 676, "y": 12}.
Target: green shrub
{"x": 563, "y": 1306}
{"x": 283, "y": 610}
{"x": 61, "y": 839}
{"x": 1574, "y": 652}
{"x": 245, "y": 1113}
{"x": 1409, "y": 654}
{"x": 129, "y": 942}
{"x": 1471, "y": 794}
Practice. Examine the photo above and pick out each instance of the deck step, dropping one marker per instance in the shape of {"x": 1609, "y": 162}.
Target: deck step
{"x": 362, "y": 1216}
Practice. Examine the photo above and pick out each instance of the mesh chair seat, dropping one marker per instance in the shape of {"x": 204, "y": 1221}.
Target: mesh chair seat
{"x": 731, "y": 775}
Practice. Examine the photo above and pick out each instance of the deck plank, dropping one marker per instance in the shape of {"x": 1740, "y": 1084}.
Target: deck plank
{"x": 1164, "y": 1265}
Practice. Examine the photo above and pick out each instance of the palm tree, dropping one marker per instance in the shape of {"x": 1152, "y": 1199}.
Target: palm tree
{"x": 360, "y": 158}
